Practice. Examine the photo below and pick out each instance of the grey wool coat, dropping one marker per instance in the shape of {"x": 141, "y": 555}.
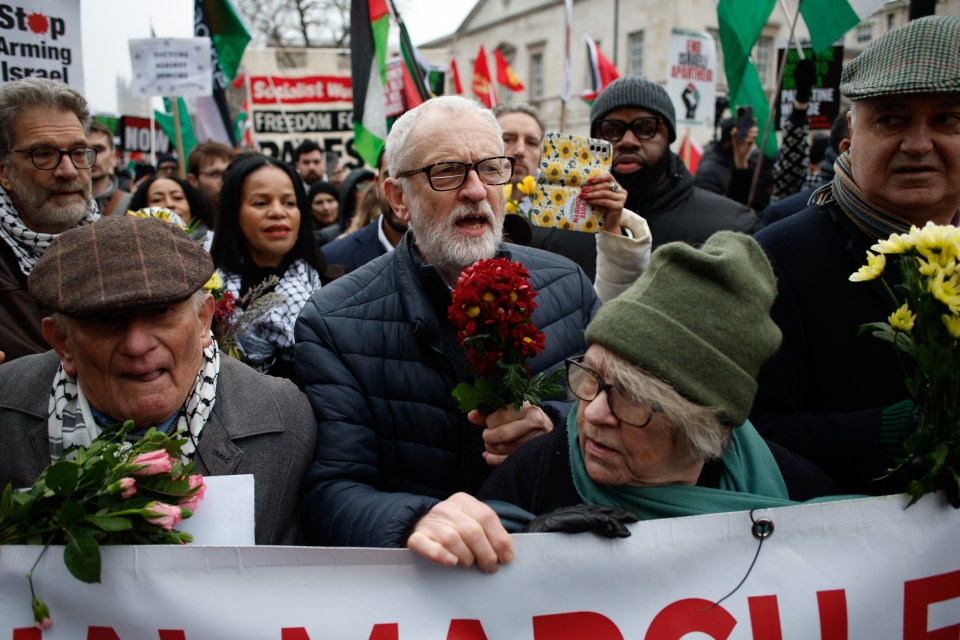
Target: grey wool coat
{"x": 259, "y": 425}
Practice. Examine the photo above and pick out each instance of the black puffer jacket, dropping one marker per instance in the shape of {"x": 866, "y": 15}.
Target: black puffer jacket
{"x": 378, "y": 360}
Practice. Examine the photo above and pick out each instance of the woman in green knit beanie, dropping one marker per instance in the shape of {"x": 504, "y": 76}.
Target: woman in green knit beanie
{"x": 660, "y": 426}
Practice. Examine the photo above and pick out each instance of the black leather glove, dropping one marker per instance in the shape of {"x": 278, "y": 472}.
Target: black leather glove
{"x": 605, "y": 521}
{"x": 804, "y": 77}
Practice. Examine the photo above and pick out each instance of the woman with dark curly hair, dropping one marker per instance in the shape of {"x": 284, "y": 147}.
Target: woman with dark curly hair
{"x": 179, "y": 196}
{"x": 265, "y": 229}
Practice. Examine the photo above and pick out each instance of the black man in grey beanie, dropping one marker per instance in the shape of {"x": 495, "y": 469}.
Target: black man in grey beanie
{"x": 637, "y": 117}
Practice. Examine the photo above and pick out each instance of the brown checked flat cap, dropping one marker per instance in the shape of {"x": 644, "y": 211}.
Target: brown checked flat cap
{"x": 117, "y": 264}
{"x": 922, "y": 56}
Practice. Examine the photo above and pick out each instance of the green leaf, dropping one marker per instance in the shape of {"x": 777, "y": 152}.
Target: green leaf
{"x": 108, "y": 523}
{"x": 71, "y": 513}
{"x": 62, "y": 477}
{"x": 481, "y": 395}
{"x": 82, "y": 556}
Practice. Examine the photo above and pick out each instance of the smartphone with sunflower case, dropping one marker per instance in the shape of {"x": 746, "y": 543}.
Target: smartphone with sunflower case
{"x": 566, "y": 163}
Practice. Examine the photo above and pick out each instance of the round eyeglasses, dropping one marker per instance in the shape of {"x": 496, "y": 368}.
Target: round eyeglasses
{"x": 643, "y": 128}
{"x": 586, "y": 384}
{"x": 447, "y": 176}
{"x": 48, "y": 158}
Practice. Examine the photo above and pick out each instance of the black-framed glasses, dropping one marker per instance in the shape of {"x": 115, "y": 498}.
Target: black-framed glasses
{"x": 586, "y": 384}
{"x": 48, "y": 158}
{"x": 447, "y": 176}
{"x": 643, "y": 128}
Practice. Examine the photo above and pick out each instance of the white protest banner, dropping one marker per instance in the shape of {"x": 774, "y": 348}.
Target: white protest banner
{"x": 692, "y": 76}
{"x": 864, "y": 568}
{"x": 171, "y": 67}
{"x": 41, "y": 39}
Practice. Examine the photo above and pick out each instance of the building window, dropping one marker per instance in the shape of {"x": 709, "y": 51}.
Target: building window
{"x": 635, "y": 53}
{"x": 536, "y": 75}
{"x": 762, "y": 57}
{"x": 891, "y": 21}
{"x": 864, "y": 32}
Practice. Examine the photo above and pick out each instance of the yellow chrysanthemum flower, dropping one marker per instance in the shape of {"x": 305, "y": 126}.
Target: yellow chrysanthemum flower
{"x": 937, "y": 243}
{"x": 896, "y": 243}
{"x": 527, "y": 186}
{"x": 215, "y": 283}
{"x": 902, "y": 319}
{"x": 946, "y": 290}
{"x": 952, "y": 322}
{"x": 871, "y": 270}
{"x": 511, "y": 207}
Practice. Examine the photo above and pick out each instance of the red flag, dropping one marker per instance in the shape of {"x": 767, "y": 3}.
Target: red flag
{"x": 482, "y": 84}
{"x": 690, "y": 152}
{"x": 455, "y": 72}
{"x": 505, "y": 74}
{"x": 602, "y": 71}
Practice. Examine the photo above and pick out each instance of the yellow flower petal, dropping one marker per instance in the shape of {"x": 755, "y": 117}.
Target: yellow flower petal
{"x": 902, "y": 319}
{"x": 952, "y": 322}
{"x": 872, "y": 270}
{"x": 507, "y": 190}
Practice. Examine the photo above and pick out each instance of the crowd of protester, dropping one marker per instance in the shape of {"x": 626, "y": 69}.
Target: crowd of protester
{"x": 702, "y": 372}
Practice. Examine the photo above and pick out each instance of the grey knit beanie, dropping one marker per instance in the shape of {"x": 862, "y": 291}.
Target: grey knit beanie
{"x": 922, "y": 56}
{"x": 698, "y": 319}
{"x": 637, "y": 92}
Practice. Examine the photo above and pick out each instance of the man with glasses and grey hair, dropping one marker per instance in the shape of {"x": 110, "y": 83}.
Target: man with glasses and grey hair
{"x": 637, "y": 117}
{"x": 45, "y": 189}
{"x": 396, "y": 461}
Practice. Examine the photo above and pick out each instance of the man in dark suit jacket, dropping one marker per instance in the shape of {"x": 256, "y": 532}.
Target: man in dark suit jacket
{"x": 131, "y": 338}
{"x": 377, "y": 238}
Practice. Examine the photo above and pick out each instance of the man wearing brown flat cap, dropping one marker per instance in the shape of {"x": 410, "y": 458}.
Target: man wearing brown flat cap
{"x": 130, "y": 328}
{"x": 45, "y": 189}
{"x": 835, "y": 396}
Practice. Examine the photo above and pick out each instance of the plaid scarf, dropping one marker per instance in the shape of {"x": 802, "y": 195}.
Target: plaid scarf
{"x": 29, "y": 245}
{"x": 71, "y": 424}
{"x": 873, "y": 221}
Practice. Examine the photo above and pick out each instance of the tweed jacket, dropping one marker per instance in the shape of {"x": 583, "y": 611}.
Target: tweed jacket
{"x": 269, "y": 434}
{"x": 378, "y": 360}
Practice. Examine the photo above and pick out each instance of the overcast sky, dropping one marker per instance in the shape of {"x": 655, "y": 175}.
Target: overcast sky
{"x": 108, "y": 24}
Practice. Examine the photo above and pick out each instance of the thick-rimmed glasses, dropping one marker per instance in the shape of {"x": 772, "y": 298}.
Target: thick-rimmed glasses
{"x": 586, "y": 384}
{"x": 48, "y": 158}
{"x": 643, "y": 128}
{"x": 447, "y": 176}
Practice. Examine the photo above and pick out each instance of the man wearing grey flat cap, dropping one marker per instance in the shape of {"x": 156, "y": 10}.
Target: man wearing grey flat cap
{"x": 836, "y": 397}
{"x": 130, "y": 329}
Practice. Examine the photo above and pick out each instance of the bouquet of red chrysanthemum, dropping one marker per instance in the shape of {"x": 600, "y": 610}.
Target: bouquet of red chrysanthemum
{"x": 491, "y": 310}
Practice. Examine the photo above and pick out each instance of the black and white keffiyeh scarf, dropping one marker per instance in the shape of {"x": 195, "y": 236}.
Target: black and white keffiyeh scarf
{"x": 29, "y": 245}
{"x": 271, "y": 336}
{"x": 70, "y": 422}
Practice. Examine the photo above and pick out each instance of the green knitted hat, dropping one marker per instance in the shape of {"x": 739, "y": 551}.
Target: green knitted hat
{"x": 922, "y": 56}
{"x": 698, "y": 319}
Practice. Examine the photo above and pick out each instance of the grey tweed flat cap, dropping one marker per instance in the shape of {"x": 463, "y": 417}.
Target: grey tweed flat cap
{"x": 922, "y": 56}
{"x": 118, "y": 264}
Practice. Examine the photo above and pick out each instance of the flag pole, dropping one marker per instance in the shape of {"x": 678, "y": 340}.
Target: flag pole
{"x": 179, "y": 138}
{"x": 773, "y": 99}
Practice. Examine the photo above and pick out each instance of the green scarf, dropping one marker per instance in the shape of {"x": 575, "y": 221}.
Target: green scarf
{"x": 873, "y": 221}
{"x": 751, "y": 480}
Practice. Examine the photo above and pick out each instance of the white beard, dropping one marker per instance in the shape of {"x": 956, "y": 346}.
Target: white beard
{"x": 447, "y": 250}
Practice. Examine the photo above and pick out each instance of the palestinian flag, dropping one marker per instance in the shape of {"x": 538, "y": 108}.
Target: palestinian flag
{"x": 218, "y": 20}
{"x": 602, "y": 71}
{"x": 415, "y": 70}
{"x": 369, "y": 28}
{"x": 828, "y": 20}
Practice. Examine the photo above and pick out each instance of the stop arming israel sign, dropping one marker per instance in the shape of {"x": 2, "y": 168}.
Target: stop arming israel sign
{"x": 845, "y": 570}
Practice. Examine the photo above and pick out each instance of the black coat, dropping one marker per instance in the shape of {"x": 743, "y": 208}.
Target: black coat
{"x": 823, "y": 394}
{"x": 378, "y": 359}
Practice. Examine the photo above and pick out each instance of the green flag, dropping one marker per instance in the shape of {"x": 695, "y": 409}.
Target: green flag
{"x": 369, "y": 28}
{"x": 828, "y": 20}
{"x": 165, "y": 120}
{"x": 741, "y": 23}
{"x": 226, "y": 31}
